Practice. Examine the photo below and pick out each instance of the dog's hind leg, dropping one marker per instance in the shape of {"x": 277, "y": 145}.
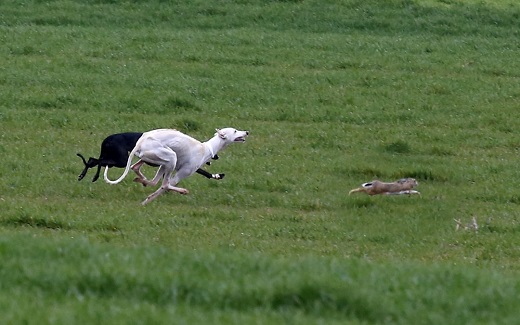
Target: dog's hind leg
{"x": 107, "y": 164}
{"x": 169, "y": 185}
{"x": 152, "y": 151}
{"x": 97, "y": 173}
{"x": 92, "y": 162}
{"x": 84, "y": 172}
{"x": 158, "y": 175}
{"x": 137, "y": 169}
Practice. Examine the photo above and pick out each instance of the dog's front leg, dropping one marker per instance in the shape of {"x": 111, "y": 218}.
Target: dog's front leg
{"x": 155, "y": 194}
{"x": 209, "y": 175}
{"x": 166, "y": 186}
{"x": 173, "y": 181}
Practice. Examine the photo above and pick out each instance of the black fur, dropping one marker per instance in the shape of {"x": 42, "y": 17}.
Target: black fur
{"x": 114, "y": 153}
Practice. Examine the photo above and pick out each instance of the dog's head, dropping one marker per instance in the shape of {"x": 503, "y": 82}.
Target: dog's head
{"x": 232, "y": 135}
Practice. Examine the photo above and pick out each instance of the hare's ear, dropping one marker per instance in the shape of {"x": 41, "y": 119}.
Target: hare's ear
{"x": 221, "y": 134}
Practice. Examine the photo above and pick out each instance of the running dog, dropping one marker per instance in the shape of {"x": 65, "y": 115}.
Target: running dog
{"x": 402, "y": 186}
{"x": 114, "y": 153}
{"x": 175, "y": 151}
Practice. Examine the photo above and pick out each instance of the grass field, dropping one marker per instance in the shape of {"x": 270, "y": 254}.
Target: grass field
{"x": 334, "y": 93}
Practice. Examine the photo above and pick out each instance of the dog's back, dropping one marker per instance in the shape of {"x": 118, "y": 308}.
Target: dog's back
{"x": 185, "y": 146}
{"x": 115, "y": 143}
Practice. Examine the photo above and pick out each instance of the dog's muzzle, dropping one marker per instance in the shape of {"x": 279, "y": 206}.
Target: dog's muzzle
{"x": 242, "y": 138}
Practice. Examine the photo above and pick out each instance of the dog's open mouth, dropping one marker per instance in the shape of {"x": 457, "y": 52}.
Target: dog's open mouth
{"x": 240, "y": 139}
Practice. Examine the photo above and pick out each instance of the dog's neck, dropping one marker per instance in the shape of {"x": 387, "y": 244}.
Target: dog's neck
{"x": 212, "y": 153}
{"x": 214, "y": 145}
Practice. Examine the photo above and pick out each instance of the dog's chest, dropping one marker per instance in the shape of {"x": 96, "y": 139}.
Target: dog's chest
{"x": 189, "y": 151}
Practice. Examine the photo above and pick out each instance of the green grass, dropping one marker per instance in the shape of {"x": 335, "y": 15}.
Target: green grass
{"x": 239, "y": 287}
{"x": 335, "y": 94}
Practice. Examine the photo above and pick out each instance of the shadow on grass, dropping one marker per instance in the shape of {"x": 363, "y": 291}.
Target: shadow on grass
{"x": 24, "y": 219}
{"x": 36, "y": 222}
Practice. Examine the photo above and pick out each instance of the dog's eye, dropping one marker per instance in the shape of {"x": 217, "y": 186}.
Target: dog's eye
{"x": 235, "y": 131}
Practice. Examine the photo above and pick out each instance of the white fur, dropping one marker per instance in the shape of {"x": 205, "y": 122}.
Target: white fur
{"x": 173, "y": 151}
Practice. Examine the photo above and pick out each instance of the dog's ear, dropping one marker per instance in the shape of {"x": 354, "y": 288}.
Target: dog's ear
{"x": 221, "y": 134}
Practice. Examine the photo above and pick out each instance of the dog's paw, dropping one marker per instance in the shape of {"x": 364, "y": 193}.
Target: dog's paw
{"x": 140, "y": 180}
{"x": 215, "y": 157}
{"x": 218, "y": 176}
{"x": 183, "y": 191}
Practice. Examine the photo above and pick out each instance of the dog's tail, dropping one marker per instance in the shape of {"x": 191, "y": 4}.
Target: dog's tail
{"x": 127, "y": 169}
{"x": 128, "y": 164}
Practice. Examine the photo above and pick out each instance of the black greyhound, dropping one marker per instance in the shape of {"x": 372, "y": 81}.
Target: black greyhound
{"x": 114, "y": 153}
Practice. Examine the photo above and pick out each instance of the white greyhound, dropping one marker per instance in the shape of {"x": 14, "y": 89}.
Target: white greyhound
{"x": 173, "y": 150}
